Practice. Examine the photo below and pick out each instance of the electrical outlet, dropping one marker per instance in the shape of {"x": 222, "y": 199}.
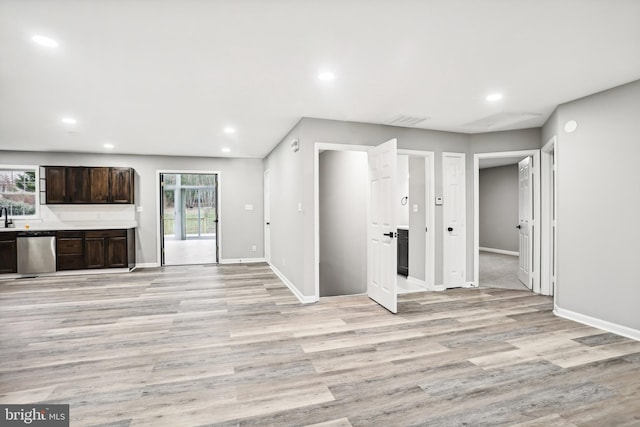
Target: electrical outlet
{"x": 254, "y": 248}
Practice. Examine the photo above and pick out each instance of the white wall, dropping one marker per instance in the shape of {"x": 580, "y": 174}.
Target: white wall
{"x": 241, "y": 183}
{"x": 598, "y": 200}
{"x": 498, "y": 208}
{"x": 343, "y": 222}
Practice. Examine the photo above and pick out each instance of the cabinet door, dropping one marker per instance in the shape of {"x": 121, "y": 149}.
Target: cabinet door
{"x": 78, "y": 185}
{"x": 121, "y": 185}
{"x": 56, "y": 190}
{"x": 117, "y": 252}
{"x": 94, "y": 252}
{"x": 69, "y": 250}
{"x": 99, "y": 191}
{"x": 8, "y": 254}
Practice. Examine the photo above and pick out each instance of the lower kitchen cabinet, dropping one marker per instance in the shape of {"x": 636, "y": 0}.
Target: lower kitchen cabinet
{"x": 105, "y": 249}
{"x": 69, "y": 253}
{"x": 95, "y": 249}
{"x": 8, "y": 252}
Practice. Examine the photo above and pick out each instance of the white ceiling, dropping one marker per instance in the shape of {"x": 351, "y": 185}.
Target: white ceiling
{"x": 165, "y": 77}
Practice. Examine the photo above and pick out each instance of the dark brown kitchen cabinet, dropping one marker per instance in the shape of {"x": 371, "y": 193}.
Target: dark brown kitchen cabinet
{"x": 105, "y": 249}
{"x": 8, "y": 250}
{"x": 69, "y": 250}
{"x": 99, "y": 185}
{"x": 121, "y": 185}
{"x": 56, "y": 179}
{"x": 88, "y": 185}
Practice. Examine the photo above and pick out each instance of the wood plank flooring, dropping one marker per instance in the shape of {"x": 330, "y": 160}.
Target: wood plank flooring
{"x": 231, "y": 346}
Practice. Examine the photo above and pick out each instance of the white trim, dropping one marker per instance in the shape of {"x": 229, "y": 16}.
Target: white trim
{"x": 476, "y": 209}
{"x": 429, "y": 197}
{"x": 547, "y": 162}
{"x": 470, "y": 285}
{"x": 625, "y": 331}
{"x": 439, "y": 288}
{"x": 499, "y": 251}
{"x": 321, "y": 146}
{"x": 303, "y": 299}
{"x": 218, "y": 208}
{"x": 147, "y": 264}
{"x": 241, "y": 260}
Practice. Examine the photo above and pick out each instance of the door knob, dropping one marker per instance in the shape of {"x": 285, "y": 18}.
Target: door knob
{"x": 389, "y": 234}
{"x": 518, "y": 227}
{"x": 450, "y": 229}
{"x": 268, "y": 223}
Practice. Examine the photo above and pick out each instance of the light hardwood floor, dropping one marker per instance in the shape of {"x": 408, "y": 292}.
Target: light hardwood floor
{"x": 230, "y": 345}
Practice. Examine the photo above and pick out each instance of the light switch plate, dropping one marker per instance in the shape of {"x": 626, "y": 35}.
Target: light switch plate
{"x": 139, "y": 209}
{"x": 438, "y": 200}
{"x": 248, "y": 207}
{"x": 415, "y": 208}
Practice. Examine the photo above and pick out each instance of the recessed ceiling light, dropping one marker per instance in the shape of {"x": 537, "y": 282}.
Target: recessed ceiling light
{"x": 494, "y": 97}
{"x": 229, "y": 129}
{"x": 226, "y": 150}
{"x": 69, "y": 121}
{"x": 44, "y": 41}
{"x": 109, "y": 146}
{"x": 326, "y": 76}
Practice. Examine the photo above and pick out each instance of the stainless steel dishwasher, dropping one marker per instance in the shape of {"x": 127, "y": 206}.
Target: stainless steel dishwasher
{"x": 36, "y": 252}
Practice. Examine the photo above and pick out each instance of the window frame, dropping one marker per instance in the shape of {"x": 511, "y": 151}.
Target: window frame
{"x": 27, "y": 168}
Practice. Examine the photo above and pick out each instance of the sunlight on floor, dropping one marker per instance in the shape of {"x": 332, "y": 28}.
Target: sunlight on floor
{"x": 191, "y": 251}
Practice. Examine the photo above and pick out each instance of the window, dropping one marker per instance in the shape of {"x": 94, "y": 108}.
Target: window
{"x": 19, "y": 190}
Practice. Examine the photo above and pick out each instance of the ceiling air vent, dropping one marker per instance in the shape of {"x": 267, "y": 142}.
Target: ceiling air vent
{"x": 406, "y": 121}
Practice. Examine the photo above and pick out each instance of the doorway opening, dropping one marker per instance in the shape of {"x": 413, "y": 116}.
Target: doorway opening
{"x": 507, "y": 220}
{"x": 189, "y": 218}
{"x": 341, "y": 200}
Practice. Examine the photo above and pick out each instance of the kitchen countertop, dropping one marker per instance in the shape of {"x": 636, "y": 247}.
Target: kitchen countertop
{"x": 56, "y": 226}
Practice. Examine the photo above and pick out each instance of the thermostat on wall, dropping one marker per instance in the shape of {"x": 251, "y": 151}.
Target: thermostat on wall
{"x": 438, "y": 200}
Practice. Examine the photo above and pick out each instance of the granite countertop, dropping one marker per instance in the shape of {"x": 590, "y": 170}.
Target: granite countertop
{"x": 75, "y": 225}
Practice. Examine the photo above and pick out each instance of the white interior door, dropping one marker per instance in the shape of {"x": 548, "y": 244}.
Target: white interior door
{"x": 525, "y": 222}
{"x": 381, "y": 229}
{"x": 267, "y": 219}
{"x": 454, "y": 213}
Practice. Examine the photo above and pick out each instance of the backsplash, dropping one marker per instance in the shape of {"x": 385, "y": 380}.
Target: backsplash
{"x": 84, "y": 213}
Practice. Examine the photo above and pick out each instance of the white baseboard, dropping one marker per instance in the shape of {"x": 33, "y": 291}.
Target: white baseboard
{"x": 241, "y": 260}
{"x": 625, "y": 331}
{"x": 417, "y": 282}
{"x": 500, "y": 251}
{"x": 439, "y": 288}
{"x": 147, "y": 264}
{"x": 303, "y": 299}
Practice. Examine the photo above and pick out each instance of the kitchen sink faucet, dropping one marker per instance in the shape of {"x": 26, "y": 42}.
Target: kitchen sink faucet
{"x": 7, "y": 221}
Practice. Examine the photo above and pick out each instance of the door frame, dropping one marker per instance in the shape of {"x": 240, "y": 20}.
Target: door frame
{"x": 429, "y": 212}
{"x": 159, "y": 236}
{"x": 536, "y": 210}
{"x": 324, "y": 146}
{"x": 549, "y": 207}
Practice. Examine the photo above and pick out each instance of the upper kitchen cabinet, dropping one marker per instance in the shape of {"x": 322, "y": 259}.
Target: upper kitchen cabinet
{"x": 67, "y": 184}
{"x": 121, "y": 185}
{"x": 88, "y": 185}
